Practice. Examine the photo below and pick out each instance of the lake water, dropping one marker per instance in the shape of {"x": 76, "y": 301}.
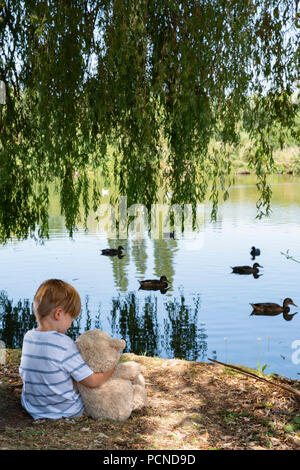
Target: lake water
{"x": 206, "y": 311}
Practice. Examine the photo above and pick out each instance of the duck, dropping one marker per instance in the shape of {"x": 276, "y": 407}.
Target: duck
{"x": 113, "y": 251}
{"x": 155, "y": 284}
{"x": 269, "y": 308}
{"x": 246, "y": 269}
{"x": 254, "y": 252}
{"x": 170, "y": 235}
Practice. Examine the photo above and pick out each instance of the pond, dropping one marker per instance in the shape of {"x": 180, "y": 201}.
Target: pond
{"x": 206, "y": 312}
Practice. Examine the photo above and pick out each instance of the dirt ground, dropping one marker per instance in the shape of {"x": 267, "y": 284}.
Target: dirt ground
{"x": 192, "y": 406}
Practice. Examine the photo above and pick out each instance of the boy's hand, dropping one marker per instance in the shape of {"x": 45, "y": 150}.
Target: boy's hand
{"x": 97, "y": 379}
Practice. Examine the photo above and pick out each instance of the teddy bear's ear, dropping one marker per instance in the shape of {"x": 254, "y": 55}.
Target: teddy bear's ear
{"x": 119, "y": 344}
{"x": 85, "y": 345}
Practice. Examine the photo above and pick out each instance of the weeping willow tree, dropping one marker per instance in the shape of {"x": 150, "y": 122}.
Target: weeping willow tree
{"x": 139, "y": 89}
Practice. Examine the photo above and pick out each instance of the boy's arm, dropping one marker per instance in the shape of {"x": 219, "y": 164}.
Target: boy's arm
{"x": 97, "y": 378}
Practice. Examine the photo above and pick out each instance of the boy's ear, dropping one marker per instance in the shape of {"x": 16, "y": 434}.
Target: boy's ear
{"x": 57, "y": 313}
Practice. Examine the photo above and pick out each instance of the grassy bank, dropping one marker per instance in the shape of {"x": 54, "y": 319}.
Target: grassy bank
{"x": 287, "y": 160}
{"x": 192, "y": 405}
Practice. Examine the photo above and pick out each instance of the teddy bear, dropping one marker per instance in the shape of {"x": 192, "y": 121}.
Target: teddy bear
{"x": 124, "y": 391}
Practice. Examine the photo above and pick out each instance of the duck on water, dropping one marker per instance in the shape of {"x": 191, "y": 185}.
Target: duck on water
{"x": 113, "y": 251}
{"x": 246, "y": 269}
{"x": 254, "y": 252}
{"x": 269, "y": 308}
{"x": 155, "y": 284}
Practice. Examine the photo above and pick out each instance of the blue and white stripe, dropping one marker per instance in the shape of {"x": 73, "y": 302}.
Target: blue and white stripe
{"x": 49, "y": 360}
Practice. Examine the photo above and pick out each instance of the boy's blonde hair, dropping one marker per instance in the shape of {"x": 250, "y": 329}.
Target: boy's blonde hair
{"x": 55, "y": 293}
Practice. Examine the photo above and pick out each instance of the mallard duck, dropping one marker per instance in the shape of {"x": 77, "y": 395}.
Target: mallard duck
{"x": 170, "y": 235}
{"x": 155, "y": 284}
{"x": 246, "y": 269}
{"x": 113, "y": 251}
{"x": 269, "y": 308}
{"x": 254, "y": 252}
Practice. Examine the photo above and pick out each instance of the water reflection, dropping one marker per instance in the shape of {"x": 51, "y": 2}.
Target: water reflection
{"x": 176, "y": 335}
{"x": 183, "y": 337}
{"x": 287, "y": 316}
{"x": 155, "y": 288}
{"x": 164, "y": 253}
{"x": 255, "y": 275}
{"x": 120, "y": 265}
{"x": 137, "y": 326}
{"x": 199, "y": 265}
{"x": 15, "y": 320}
{"x": 139, "y": 255}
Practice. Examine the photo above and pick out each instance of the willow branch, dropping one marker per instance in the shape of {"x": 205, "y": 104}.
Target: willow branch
{"x": 284, "y": 387}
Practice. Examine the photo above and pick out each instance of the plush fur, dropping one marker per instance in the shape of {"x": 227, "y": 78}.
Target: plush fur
{"x": 124, "y": 391}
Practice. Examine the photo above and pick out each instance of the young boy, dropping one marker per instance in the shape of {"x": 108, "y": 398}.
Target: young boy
{"x": 50, "y": 358}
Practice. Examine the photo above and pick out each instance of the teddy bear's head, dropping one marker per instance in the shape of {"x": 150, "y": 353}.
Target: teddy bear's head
{"x": 99, "y": 350}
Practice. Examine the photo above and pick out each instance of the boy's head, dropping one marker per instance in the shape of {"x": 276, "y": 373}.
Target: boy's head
{"x": 53, "y": 294}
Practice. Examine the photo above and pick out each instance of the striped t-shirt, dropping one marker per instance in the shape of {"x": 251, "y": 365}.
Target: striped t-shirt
{"x": 49, "y": 360}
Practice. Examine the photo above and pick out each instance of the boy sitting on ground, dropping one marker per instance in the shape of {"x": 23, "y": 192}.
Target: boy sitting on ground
{"x": 50, "y": 359}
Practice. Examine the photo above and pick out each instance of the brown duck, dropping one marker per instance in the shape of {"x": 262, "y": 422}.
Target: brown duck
{"x": 113, "y": 251}
{"x": 155, "y": 284}
{"x": 246, "y": 269}
{"x": 269, "y": 308}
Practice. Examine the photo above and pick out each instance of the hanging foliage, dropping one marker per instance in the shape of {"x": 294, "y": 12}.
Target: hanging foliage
{"x": 138, "y": 89}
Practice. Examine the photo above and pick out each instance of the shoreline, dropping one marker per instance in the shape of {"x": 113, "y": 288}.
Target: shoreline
{"x": 191, "y": 406}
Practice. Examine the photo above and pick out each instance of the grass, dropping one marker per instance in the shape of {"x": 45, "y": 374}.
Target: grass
{"x": 286, "y": 160}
